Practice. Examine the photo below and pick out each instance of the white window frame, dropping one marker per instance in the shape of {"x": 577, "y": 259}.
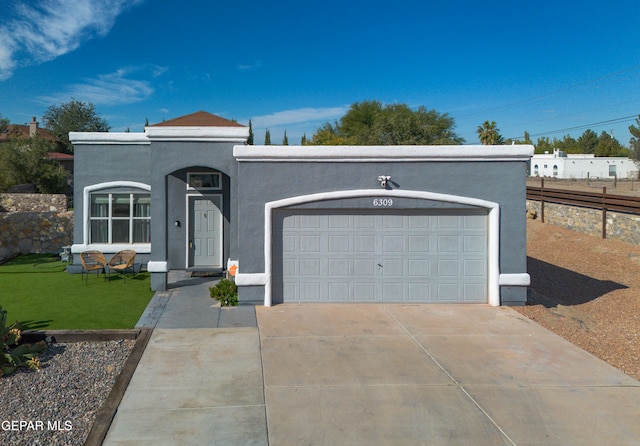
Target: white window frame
{"x": 142, "y": 248}
{"x": 110, "y": 219}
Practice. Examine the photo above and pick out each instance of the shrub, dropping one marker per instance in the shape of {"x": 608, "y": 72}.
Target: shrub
{"x": 225, "y": 291}
{"x": 12, "y": 354}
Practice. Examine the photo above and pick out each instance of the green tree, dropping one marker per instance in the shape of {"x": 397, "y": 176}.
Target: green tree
{"x": 587, "y": 142}
{"x": 371, "y": 123}
{"x": 329, "y": 135}
{"x": 73, "y": 116}
{"x": 609, "y": 146}
{"x": 26, "y": 160}
{"x": 634, "y": 142}
{"x": 267, "y": 138}
{"x": 250, "y": 138}
{"x": 285, "y": 140}
{"x": 303, "y": 140}
{"x": 489, "y": 133}
{"x": 4, "y": 123}
{"x": 543, "y": 145}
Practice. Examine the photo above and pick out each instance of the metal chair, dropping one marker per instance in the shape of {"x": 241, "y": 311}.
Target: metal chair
{"x": 121, "y": 262}
{"x": 92, "y": 261}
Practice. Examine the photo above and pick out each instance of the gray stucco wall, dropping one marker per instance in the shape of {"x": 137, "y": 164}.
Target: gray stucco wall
{"x": 104, "y": 163}
{"x": 497, "y": 181}
{"x": 170, "y": 163}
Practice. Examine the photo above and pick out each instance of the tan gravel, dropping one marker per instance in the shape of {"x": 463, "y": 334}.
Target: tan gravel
{"x": 586, "y": 290}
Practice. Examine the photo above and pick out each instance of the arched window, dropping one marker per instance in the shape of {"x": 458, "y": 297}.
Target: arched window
{"x": 535, "y": 169}
{"x": 555, "y": 170}
{"x": 117, "y": 213}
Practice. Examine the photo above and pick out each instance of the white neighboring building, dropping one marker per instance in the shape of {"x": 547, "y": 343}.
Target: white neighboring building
{"x": 559, "y": 164}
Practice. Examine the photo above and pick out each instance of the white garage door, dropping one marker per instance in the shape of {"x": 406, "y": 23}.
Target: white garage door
{"x": 338, "y": 256}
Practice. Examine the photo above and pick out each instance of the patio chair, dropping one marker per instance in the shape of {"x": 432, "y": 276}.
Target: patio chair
{"x": 92, "y": 261}
{"x": 121, "y": 262}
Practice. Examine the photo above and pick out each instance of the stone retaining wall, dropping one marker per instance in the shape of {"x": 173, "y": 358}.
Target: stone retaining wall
{"x": 33, "y": 203}
{"x": 619, "y": 226}
{"x": 34, "y": 232}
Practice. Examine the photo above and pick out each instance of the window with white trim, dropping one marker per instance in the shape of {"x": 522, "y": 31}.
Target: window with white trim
{"x": 120, "y": 218}
{"x": 204, "y": 181}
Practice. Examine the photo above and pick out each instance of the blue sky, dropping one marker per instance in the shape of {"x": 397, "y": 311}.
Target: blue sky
{"x": 548, "y": 67}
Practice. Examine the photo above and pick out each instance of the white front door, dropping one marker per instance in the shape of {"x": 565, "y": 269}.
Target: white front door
{"x": 205, "y": 231}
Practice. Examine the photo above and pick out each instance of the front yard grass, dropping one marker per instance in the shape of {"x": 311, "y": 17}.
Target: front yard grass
{"x": 37, "y": 292}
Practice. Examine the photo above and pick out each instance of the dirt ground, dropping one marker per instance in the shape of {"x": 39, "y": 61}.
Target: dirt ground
{"x": 586, "y": 290}
{"x": 614, "y": 187}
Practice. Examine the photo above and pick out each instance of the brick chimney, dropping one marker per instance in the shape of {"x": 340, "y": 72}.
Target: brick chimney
{"x": 33, "y": 128}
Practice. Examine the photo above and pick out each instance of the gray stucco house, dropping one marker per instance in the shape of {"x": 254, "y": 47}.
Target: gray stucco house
{"x": 441, "y": 224}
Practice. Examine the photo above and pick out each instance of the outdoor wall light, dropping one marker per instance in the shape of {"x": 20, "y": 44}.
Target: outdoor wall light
{"x": 177, "y": 223}
{"x": 383, "y": 180}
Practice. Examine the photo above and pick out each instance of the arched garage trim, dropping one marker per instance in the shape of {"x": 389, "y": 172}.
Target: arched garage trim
{"x": 493, "y": 235}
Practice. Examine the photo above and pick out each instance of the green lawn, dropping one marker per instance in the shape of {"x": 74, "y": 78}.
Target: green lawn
{"x": 38, "y": 292}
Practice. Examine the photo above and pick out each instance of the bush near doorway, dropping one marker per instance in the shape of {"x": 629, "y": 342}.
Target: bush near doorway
{"x": 226, "y": 292}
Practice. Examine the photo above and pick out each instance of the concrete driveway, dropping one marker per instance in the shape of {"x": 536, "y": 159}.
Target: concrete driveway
{"x": 373, "y": 374}
{"x": 435, "y": 375}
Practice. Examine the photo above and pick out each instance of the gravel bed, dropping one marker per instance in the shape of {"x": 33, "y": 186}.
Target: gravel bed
{"x": 586, "y": 290}
{"x": 62, "y": 398}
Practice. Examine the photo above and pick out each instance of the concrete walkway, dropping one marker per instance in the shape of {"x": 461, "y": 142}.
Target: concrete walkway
{"x": 365, "y": 375}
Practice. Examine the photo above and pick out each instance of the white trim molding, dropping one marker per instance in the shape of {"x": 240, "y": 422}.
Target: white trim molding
{"x": 139, "y": 248}
{"x": 157, "y": 267}
{"x": 187, "y": 133}
{"x": 251, "y": 153}
{"x": 108, "y": 138}
{"x": 493, "y": 233}
{"x": 517, "y": 279}
{"x": 251, "y": 279}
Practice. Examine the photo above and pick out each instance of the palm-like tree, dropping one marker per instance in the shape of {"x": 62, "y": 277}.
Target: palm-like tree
{"x": 489, "y": 133}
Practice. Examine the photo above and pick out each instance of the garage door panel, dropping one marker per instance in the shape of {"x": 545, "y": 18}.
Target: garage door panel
{"x": 363, "y": 243}
{"x": 339, "y": 243}
{"x": 339, "y": 267}
{"x": 393, "y": 292}
{"x": 309, "y": 221}
{"x": 364, "y": 268}
{"x": 364, "y": 221}
{"x": 309, "y": 243}
{"x": 448, "y": 268}
{"x": 448, "y": 221}
{"x": 474, "y": 243}
{"x": 475, "y": 292}
{"x": 339, "y": 221}
{"x": 310, "y": 291}
{"x": 475, "y": 221}
{"x": 474, "y": 268}
{"x": 364, "y": 291}
{"x": 393, "y": 244}
{"x": 448, "y": 292}
{"x": 448, "y": 243}
{"x": 419, "y": 243}
{"x": 419, "y": 268}
{"x": 393, "y": 268}
{"x": 419, "y": 292}
{"x": 353, "y": 256}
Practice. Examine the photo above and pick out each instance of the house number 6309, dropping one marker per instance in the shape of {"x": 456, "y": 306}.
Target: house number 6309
{"x": 382, "y": 202}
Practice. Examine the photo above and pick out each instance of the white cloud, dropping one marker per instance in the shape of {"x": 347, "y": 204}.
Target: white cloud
{"x": 108, "y": 89}
{"x": 250, "y": 66}
{"x": 296, "y": 122}
{"x": 37, "y": 32}
{"x": 298, "y": 116}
